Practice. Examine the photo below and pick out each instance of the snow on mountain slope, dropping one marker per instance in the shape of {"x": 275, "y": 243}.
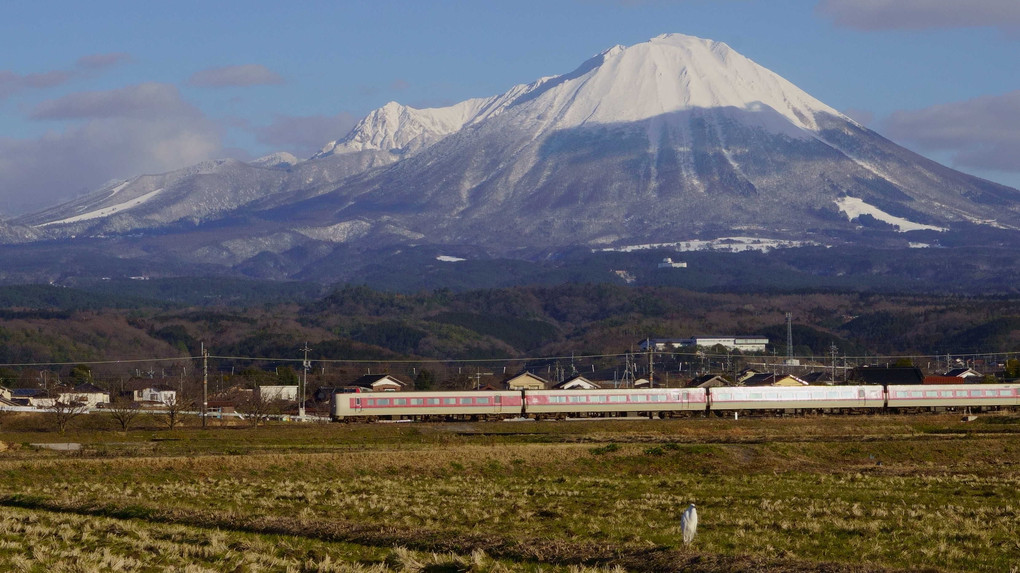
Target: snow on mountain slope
{"x": 672, "y": 141}
{"x": 108, "y": 210}
{"x": 669, "y": 73}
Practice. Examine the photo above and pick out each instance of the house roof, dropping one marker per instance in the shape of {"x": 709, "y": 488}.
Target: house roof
{"x": 579, "y": 381}
{"x": 368, "y": 380}
{"x": 27, "y": 392}
{"x": 962, "y": 373}
{"x": 768, "y": 379}
{"x": 817, "y": 377}
{"x": 708, "y": 381}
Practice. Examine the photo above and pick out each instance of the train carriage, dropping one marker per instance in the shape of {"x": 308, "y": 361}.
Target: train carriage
{"x": 607, "y": 402}
{"x": 954, "y": 396}
{"x": 426, "y": 405}
{"x": 796, "y": 398}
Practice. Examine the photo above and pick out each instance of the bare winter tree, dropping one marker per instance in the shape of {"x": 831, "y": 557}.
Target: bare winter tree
{"x": 173, "y": 410}
{"x": 256, "y": 409}
{"x": 125, "y": 412}
{"x": 64, "y": 410}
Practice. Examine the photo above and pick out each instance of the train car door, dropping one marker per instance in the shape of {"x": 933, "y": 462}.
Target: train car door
{"x": 358, "y": 405}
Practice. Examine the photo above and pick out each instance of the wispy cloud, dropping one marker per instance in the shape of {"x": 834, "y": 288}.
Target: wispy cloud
{"x": 143, "y": 100}
{"x": 235, "y": 76}
{"x": 146, "y": 128}
{"x": 304, "y": 135}
{"x": 100, "y": 61}
{"x": 921, "y": 14}
{"x": 981, "y": 133}
{"x": 12, "y": 83}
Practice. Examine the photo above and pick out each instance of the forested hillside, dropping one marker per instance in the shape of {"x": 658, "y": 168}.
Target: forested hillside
{"x": 354, "y": 329}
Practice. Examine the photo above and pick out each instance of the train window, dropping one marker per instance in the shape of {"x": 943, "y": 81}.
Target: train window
{"x": 400, "y": 401}
{"x": 685, "y": 396}
{"x": 722, "y": 395}
{"x": 576, "y": 399}
{"x": 481, "y": 400}
{"x": 617, "y": 398}
{"x": 382, "y": 402}
{"x": 1005, "y": 393}
{"x": 915, "y": 394}
{"x": 449, "y": 401}
{"x": 466, "y": 401}
{"x": 639, "y": 398}
{"x": 756, "y": 395}
{"x": 417, "y": 401}
{"x": 901, "y": 394}
{"x": 598, "y": 398}
{"x": 962, "y": 393}
{"x": 433, "y": 401}
{"x": 931, "y": 394}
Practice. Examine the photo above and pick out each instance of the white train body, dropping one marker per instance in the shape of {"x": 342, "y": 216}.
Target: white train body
{"x": 662, "y": 402}
{"x": 602, "y": 402}
{"x": 796, "y": 397}
{"x": 953, "y": 395}
{"x": 425, "y": 405}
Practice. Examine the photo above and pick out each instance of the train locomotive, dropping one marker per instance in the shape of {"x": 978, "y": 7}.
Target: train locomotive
{"x": 668, "y": 402}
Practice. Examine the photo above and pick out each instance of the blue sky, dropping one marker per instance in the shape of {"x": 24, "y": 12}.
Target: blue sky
{"x": 104, "y": 90}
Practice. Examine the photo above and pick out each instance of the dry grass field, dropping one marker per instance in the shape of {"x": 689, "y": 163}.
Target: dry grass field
{"x": 866, "y": 493}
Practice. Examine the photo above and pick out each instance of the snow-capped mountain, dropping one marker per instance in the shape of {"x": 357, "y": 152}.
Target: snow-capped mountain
{"x": 673, "y": 139}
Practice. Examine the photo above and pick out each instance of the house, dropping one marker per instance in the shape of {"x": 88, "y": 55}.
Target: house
{"x": 768, "y": 379}
{"x": 964, "y": 373}
{"x": 274, "y": 393}
{"x": 886, "y": 375}
{"x": 818, "y": 377}
{"x": 747, "y": 373}
{"x": 379, "y": 383}
{"x": 157, "y": 394}
{"x": 526, "y": 381}
{"x": 708, "y": 381}
{"x": 741, "y": 343}
{"x": 35, "y": 397}
{"x": 89, "y": 394}
{"x": 577, "y": 383}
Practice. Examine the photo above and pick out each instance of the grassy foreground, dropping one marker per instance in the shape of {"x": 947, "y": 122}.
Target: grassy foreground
{"x": 806, "y": 494}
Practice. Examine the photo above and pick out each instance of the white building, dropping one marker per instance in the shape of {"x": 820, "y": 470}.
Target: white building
{"x": 88, "y": 394}
{"x": 156, "y": 394}
{"x": 741, "y": 343}
{"x": 668, "y": 263}
{"x": 272, "y": 393}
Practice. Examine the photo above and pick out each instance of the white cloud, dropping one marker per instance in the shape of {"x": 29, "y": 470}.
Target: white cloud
{"x": 921, "y": 14}
{"x": 235, "y": 76}
{"x": 146, "y": 128}
{"x": 142, "y": 100}
{"x": 12, "y": 83}
{"x": 304, "y": 135}
{"x": 982, "y": 132}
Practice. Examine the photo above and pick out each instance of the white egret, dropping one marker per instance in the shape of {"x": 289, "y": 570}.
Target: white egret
{"x": 689, "y": 523}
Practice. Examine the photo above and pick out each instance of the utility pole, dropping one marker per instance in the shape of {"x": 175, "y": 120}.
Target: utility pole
{"x": 789, "y": 337}
{"x": 651, "y": 367}
{"x": 304, "y": 381}
{"x": 205, "y": 384}
{"x": 833, "y": 350}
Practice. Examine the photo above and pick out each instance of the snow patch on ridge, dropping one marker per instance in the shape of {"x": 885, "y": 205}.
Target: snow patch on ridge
{"x": 107, "y": 211}
{"x": 722, "y": 244}
{"x": 339, "y": 233}
{"x": 853, "y": 208}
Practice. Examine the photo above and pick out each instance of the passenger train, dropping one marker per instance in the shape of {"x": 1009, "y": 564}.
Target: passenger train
{"x": 668, "y": 402}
